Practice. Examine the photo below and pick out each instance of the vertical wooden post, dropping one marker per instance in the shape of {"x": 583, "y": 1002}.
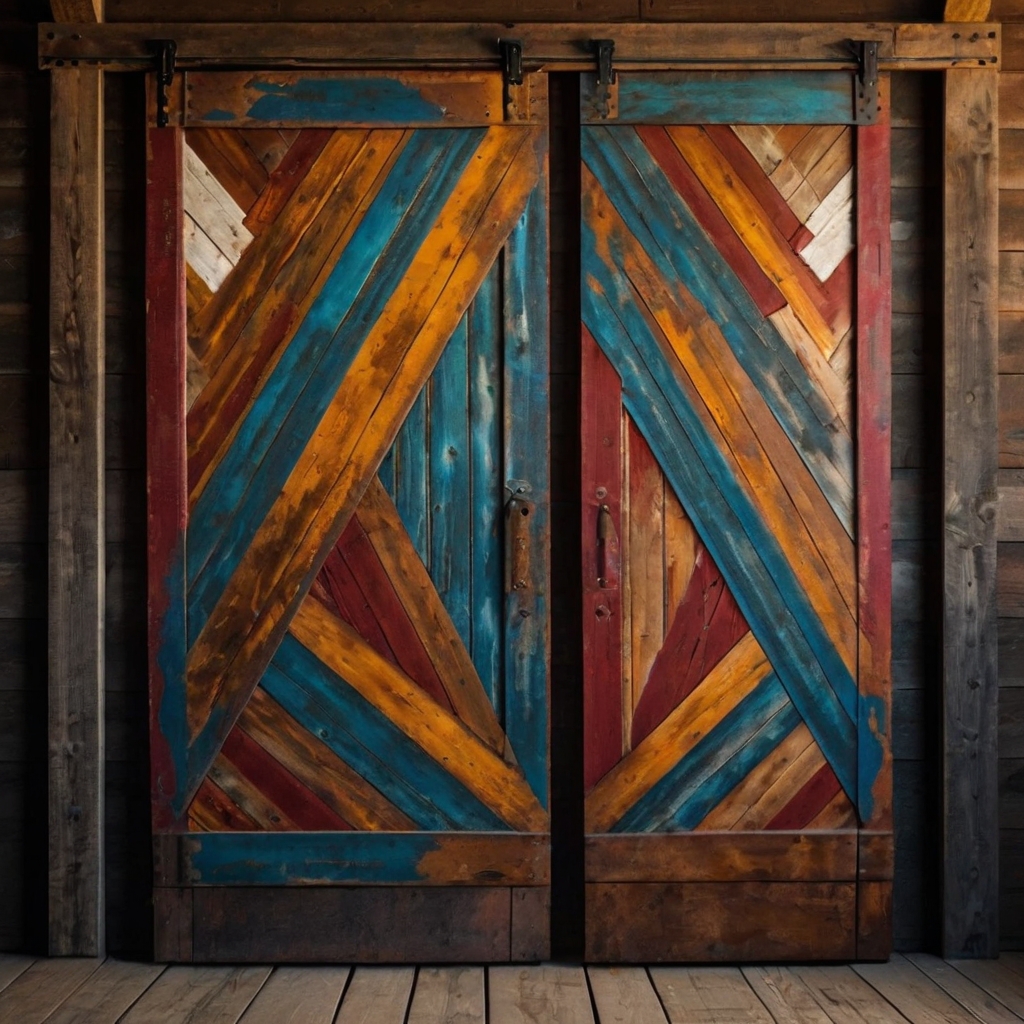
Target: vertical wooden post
{"x": 76, "y": 548}
{"x": 970, "y": 685}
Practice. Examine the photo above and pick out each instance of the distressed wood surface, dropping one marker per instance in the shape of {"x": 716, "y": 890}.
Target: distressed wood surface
{"x": 808, "y": 44}
{"x": 972, "y": 997}
{"x": 448, "y": 995}
{"x": 624, "y": 995}
{"x": 36, "y": 993}
{"x": 378, "y": 994}
{"x": 911, "y": 992}
{"x": 106, "y": 994}
{"x": 551, "y": 992}
{"x": 219, "y": 995}
{"x": 706, "y": 995}
{"x": 76, "y": 540}
{"x": 970, "y": 687}
{"x": 299, "y": 995}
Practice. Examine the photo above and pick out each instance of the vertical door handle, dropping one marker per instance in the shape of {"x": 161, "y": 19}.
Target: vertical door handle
{"x": 518, "y": 514}
{"x": 607, "y": 549}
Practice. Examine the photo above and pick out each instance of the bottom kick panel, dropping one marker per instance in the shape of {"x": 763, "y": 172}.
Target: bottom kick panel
{"x": 380, "y": 924}
{"x": 637, "y": 922}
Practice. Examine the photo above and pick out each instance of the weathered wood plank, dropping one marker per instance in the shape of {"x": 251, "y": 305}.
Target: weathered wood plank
{"x": 918, "y": 998}
{"x": 964, "y": 991}
{"x": 76, "y": 591}
{"x": 77, "y": 11}
{"x": 1006, "y": 986}
{"x": 787, "y": 998}
{"x": 966, "y": 10}
{"x": 217, "y": 995}
{"x": 1010, "y": 580}
{"x": 1011, "y": 419}
{"x": 448, "y": 995}
{"x": 36, "y": 993}
{"x": 707, "y": 995}
{"x": 12, "y": 966}
{"x": 299, "y": 995}
{"x": 377, "y": 994}
{"x": 531, "y": 924}
{"x": 624, "y": 995}
{"x": 848, "y": 999}
{"x": 1010, "y": 522}
{"x": 553, "y": 993}
{"x": 970, "y": 686}
{"x": 107, "y": 994}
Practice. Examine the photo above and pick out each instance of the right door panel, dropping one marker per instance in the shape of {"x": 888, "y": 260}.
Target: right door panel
{"x": 734, "y": 291}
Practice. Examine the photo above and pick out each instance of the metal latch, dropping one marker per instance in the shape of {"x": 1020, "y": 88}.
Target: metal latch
{"x": 866, "y": 103}
{"x": 165, "y": 51}
{"x": 511, "y": 60}
{"x": 603, "y": 50}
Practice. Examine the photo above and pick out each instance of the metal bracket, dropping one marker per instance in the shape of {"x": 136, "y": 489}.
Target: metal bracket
{"x": 866, "y": 102}
{"x": 511, "y": 60}
{"x": 165, "y": 51}
{"x": 603, "y": 50}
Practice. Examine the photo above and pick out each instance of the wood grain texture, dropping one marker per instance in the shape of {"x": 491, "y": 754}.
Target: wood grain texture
{"x": 299, "y": 995}
{"x": 369, "y": 925}
{"x": 36, "y": 993}
{"x": 707, "y": 994}
{"x": 76, "y": 539}
{"x": 551, "y": 992}
{"x": 219, "y": 995}
{"x": 531, "y": 924}
{"x": 970, "y": 685}
{"x": 912, "y": 992}
{"x": 77, "y": 11}
{"x": 624, "y": 995}
{"x": 448, "y": 995}
{"x": 966, "y": 10}
{"x": 874, "y": 920}
{"x": 722, "y": 857}
{"x": 172, "y": 925}
{"x": 106, "y": 994}
{"x": 980, "y": 1003}
{"x": 720, "y": 921}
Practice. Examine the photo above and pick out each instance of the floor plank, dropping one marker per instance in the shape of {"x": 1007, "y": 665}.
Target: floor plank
{"x": 915, "y": 995}
{"x": 188, "y": 995}
{"x": 964, "y": 991}
{"x": 708, "y": 995}
{"x": 377, "y": 995}
{"x": 1013, "y": 960}
{"x": 788, "y": 999}
{"x": 12, "y": 966}
{"x": 998, "y": 981}
{"x": 36, "y": 993}
{"x": 299, "y": 995}
{"x": 106, "y": 994}
{"x": 448, "y": 995}
{"x": 846, "y": 998}
{"x": 624, "y": 995}
{"x": 550, "y": 993}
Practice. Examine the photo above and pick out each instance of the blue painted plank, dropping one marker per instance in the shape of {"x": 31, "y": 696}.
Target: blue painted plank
{"x": 761, "y": 580}
{"x": 526, "y": 469}
{"x": 725, "y": 97}
{"x": 279, "y": 858}
{"x": 485, "y": 418}
{"x": 286, "y": 412}
{"x": 669, "y": 233}
{"x": 376, "y": 100}
{"x": 386, "y": 471}
{"x": 450, "y": 521}
{"x": 412, "y": 476}
{"x": 322, "y": 702}
{"x": 755, "y": 725}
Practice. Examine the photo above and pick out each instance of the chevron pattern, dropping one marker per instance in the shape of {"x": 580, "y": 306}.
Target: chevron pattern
{"x": 723, "y": 329}
{"x": 346, "y": 311}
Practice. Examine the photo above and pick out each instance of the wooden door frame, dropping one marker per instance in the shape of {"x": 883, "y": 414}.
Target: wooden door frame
{"x": 79, "y": 55}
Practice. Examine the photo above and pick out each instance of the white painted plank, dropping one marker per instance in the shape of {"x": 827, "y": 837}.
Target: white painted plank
{"x": 761, "y": 142}
{"x": 204, "y": 257}
{"x": 208, "y": 203}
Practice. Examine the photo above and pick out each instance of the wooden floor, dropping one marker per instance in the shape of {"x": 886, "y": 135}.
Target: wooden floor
{"x": 918, "y": 989}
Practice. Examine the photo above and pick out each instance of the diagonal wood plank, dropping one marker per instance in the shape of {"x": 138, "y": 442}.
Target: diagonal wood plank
{"x": 624, "y": 995}
{"x": 963, "y": 990}
{"x": 448, "y": 995}
{"x": 298, "y": 995}
{"x": 847, "y": 998}
{"x": 329, "y": 478}
{"x": 1002, "y": 984}
{"x": 551, "y": 993}
{"x": 430, "y": 618}
{"x": 377, "y": 995}
{"x": 212, "y": 810}
{"x": 12, "y": 966}
{"x": 440, "y": 734}
{"x": 708, "y": 995}
{"x": 186, "y": 995}
{"x": 787, "y": 998}
{"x": 733, "y": 678}
{"x": 35, "y": 994}
{"x": 918, "y": 998}
{"x": 107, "y": 994}
{"x": 208, "y": 203}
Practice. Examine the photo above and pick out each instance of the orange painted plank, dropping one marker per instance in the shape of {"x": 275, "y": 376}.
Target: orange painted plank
{"x": 212, "y": 810}
{"x": 286, "y": 177}
{"x": 230, "y": 161}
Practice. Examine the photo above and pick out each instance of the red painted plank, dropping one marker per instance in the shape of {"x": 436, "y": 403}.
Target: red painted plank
{"x": 167, "y": 500}
{"x": 383, "y": 603}
{"x": 874, "y": 413}
{"x": 809, "y": 802}
{"x": 706, "y": 626}
{"x": 279, "y": 786}
{"x": 839, "y": 295}
{"x": 601, "y": 484}
{"x": 286, "y": 177}
{"x": 762, "y": 289}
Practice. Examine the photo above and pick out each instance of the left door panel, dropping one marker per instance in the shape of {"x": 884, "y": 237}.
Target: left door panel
{"x": 347, "y": 450}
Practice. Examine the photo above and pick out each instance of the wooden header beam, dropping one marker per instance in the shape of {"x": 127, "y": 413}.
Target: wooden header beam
{"x": 555, "y": 47}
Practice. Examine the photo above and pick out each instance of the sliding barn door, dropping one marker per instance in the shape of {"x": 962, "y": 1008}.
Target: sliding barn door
{"x": 735, "y": 276}
{"x": 348, "y": 511}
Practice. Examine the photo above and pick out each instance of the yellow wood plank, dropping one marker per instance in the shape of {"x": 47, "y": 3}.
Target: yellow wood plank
{"x": 317, "y": 767}
{"x": 967, "y": 10}
{"x": 680, "y": 552}
{"x": 732, "y": 679}
{"x": 418, "y": 596}
{"x": 440, "y": 734}
{"x": 730, "y": 813}
{"x": 764, "y": 461}
{"x": 759, "y": 235}
{"x": 361, "y": 422}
